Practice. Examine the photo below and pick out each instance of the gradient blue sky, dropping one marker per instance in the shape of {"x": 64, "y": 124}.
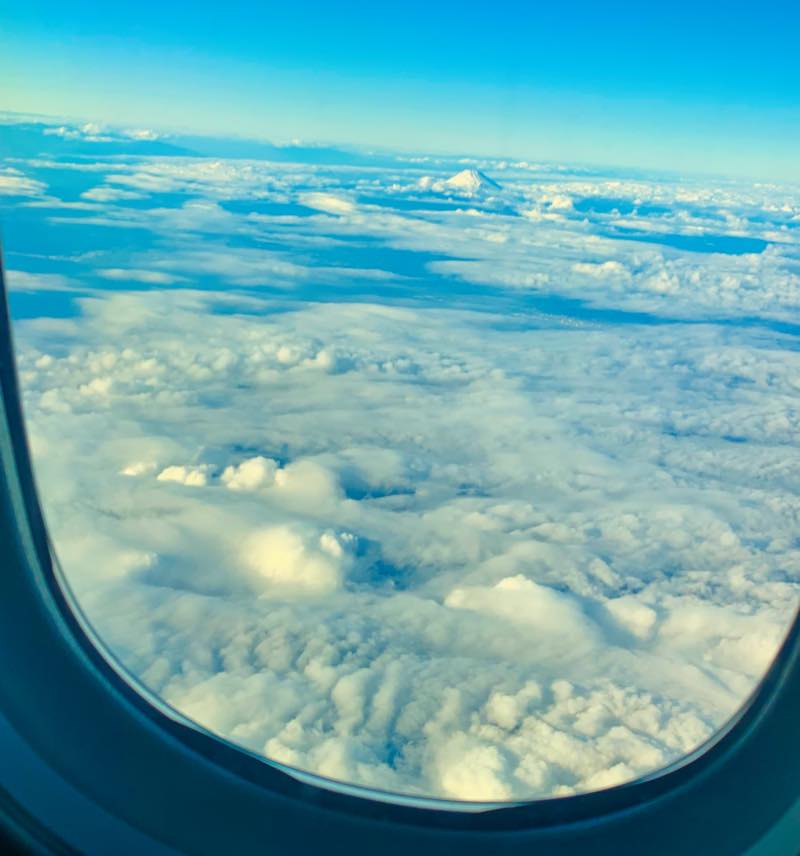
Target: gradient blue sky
{"x": 691, "y": 86}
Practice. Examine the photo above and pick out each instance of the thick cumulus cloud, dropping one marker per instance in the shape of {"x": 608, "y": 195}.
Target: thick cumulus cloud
{"x": 250, "y": 474}
{"x": 470, "y": 561}
{"x": 420, "y": 532}
{"x": 282, "y": 556}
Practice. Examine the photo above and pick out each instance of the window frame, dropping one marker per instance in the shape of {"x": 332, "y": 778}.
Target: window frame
{"x": 158, "y": 784}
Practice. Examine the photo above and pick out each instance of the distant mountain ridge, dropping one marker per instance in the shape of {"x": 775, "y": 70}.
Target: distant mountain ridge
{"x": 49, "y": 139}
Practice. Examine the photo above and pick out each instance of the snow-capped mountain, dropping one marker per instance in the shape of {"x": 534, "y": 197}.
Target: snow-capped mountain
{"x": 468, "y": 182}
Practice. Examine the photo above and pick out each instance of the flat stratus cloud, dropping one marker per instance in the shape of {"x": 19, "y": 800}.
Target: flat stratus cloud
{"x": 149, "y": 277}
{"x": 13, "y": 182}
{"x": 20, "y": 280}
{"x": 328, "y": 203}
{"x": 107, "y": 193}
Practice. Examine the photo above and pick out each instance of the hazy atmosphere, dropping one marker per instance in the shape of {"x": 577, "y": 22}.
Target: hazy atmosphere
{"x": 690, "y": 86}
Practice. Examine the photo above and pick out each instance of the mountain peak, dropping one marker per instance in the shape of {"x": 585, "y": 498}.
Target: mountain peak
{"x": 470, "y": 181}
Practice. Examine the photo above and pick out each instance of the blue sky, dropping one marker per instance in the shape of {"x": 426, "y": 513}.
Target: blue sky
{"x": 692, "y": 86}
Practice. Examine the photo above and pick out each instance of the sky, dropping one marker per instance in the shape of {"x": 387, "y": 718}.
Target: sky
{"x": 701, "y": 87}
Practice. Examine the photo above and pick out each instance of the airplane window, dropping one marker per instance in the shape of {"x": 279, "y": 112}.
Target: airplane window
{"x": 441, "y": 465}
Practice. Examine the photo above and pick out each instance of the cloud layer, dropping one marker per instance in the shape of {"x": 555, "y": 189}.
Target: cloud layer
{"x": 481, "y": 498}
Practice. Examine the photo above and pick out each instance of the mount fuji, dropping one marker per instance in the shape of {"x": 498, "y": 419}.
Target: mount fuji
{"x": 468, "y": 182}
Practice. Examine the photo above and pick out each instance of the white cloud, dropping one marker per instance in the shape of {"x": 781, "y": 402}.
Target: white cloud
{"x": 601, "y": 270}
{"x": 554, "y": 616}
{"x": 138, "y": 468}
{"x": 558, "y": 202}
{"x": 20, "y": 280}
{"x": 555, "y": 530}
{"x": 191, "y": 476}
{"x": 149, "y": 277}
{"x": 105, "y": 193}
{"x": 99, "y": 133}
{"x": 252, "y": 474}
{"x": 328, "y": 203}
{"x": 440, "y": 542}
{"x": 243, "y": 266}
{"x": 472, "y": 770}
{"x": 62, "y": 131}
{"x": 284, "y": 557}
{"x": 633, "y": 615}
{"x": 91, "y": 132}
{"x": 141, "y": 134}
{"x": 308, "y": 483}
{"x": 15, "y": 183}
